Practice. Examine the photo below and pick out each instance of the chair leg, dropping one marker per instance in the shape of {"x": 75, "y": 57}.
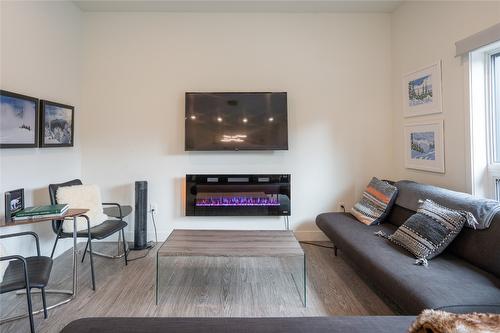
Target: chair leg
{"x": 44, "y": 301}
{"x": 118, "y": 244}
{"x": 89, "y": 242}
{"x": 85, "y": 251}
{"x": 30, "y": 310}
{"x": 124, "y": 247}
{"x": 335, "y": 250}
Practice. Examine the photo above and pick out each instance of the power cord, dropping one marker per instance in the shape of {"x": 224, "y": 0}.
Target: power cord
{"x": 315, "y": 244}
{"x": 152, "y": 211}
{"x": 154, "y": 224}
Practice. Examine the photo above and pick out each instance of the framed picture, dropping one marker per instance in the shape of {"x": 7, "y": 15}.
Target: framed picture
{"x": 56, "y": 124}
{"x": 14, "y": 202}
{"x": 18, "y": 120}
{"x": 422, "y": 91}
{"x": 424, "y": 146}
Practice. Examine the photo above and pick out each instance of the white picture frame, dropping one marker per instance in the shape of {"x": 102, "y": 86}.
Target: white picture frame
{"x": 422, "y": 91}
{"x": 424, "y": 146}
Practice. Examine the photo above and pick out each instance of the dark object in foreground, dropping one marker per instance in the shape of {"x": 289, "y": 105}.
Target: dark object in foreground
{"x": 351, "y": 324}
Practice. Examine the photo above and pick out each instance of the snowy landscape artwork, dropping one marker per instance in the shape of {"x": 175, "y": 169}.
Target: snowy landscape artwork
{"x": 18, "y": 120}
{"x": 422, "y": 91}
{"x": 424, "y": 146}
{"x": 58, "y": 126}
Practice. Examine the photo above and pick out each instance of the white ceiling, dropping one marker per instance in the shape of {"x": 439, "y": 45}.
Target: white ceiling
{"x": 293, "y": 6}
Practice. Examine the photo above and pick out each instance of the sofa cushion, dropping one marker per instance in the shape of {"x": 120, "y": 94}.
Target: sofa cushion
{"x": 450, "y": 283}
{"x": 428, "y": 232}
{"x": 480, "y": 247}
{"x": 483, "y": 210}
{"x": 376, "y": 202}
{"x": 398, "y": 215}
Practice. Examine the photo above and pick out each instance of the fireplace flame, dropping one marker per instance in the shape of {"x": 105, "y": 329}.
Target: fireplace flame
{"x": 236, "y": 201}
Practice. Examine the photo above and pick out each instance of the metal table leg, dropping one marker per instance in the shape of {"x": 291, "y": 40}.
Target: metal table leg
{"x": 305, "y": 281}
{"x": 157, "y": 278}
{"x": 72, "y": 292}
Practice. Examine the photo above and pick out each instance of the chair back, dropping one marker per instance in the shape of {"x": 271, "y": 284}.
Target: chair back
{"x": 3, "y": 263}
{"x": 56, "y": 224}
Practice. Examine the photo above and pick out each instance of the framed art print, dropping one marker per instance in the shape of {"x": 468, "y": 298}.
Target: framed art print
{"x": 18, "y": 120}
{"x": 424, "y": 146}
{"x": 56, "y": 124}
{"x": 422, "y": 91}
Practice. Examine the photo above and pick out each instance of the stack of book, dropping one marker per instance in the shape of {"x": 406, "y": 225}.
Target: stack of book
{"x": 49, "y": 211}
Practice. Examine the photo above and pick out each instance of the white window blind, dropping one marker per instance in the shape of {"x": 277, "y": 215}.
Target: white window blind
{"x": 480, "y": 39}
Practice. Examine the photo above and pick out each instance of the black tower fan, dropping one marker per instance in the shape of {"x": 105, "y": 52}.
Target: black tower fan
{"x": 141, "y": 217}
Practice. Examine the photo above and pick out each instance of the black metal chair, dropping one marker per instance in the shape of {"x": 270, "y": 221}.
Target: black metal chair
{"x": 27, "y": 273}
{"x": 100, "y": 231}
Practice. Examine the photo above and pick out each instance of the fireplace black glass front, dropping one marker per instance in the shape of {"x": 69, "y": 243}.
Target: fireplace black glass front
{"x": 238, "y": 195}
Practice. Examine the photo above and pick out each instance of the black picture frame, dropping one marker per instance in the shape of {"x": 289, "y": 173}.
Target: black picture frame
{"x": 56, "y": 129}
{"x": 33, "y": 123}
{"x": 10, "y": 211}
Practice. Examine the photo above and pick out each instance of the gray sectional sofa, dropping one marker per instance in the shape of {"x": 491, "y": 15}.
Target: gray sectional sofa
{"x": 464, "y": 278}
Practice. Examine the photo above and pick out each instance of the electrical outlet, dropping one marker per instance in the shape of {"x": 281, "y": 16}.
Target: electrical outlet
{"x": 341, "y": 206}
{"x": 153, "y": 207}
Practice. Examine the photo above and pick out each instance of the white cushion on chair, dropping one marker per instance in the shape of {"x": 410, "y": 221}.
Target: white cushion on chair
{"x": 84, "y": 197}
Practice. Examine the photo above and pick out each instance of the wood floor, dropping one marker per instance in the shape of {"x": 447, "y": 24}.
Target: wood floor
{"x": 200, "y": 287}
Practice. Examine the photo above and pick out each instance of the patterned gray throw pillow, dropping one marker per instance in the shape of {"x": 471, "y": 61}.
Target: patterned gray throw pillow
{"x": 428, "y": 232}
{"x": 377, "y": 200}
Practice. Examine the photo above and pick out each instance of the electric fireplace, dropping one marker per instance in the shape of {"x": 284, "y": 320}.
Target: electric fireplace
{"x": 238, "y": 195}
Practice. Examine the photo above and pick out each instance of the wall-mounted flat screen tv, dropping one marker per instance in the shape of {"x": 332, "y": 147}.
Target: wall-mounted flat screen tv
{"x": 236, "y": 121}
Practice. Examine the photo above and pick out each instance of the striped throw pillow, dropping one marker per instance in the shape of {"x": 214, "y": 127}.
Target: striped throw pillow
{"x": 428, "y": 232}
{"x": 376, "y": 202}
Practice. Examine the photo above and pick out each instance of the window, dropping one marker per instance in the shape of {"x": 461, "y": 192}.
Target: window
{"x": 495, "y": 84}
{"x": 484, "y": 80}
{"x": 494, "y": 122}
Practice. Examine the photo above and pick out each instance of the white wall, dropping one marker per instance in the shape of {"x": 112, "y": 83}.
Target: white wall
{"x": 335, "y": 68}
{"x": 424, "y": 32}
{"x": 40, "y": 53}
{"x": 136, "y": 67}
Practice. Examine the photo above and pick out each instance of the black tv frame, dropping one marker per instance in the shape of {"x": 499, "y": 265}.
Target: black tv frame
{"x": 233, "y": 149}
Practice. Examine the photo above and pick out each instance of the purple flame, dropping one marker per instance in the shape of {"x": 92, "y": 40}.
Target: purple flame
{"x": 236, "y": 201}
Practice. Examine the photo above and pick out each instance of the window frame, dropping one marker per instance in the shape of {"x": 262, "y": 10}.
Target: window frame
{"x": 491, "y": 106}
{"x": 497, "y": 189}
{"x": 492, "y": 117}
{"x": 483, "y": 171}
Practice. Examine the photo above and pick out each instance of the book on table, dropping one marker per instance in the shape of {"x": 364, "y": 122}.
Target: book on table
{"x": 41, "y": 211}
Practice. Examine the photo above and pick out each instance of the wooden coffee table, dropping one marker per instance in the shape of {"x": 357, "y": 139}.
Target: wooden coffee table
{"x": 235, "y": 243}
